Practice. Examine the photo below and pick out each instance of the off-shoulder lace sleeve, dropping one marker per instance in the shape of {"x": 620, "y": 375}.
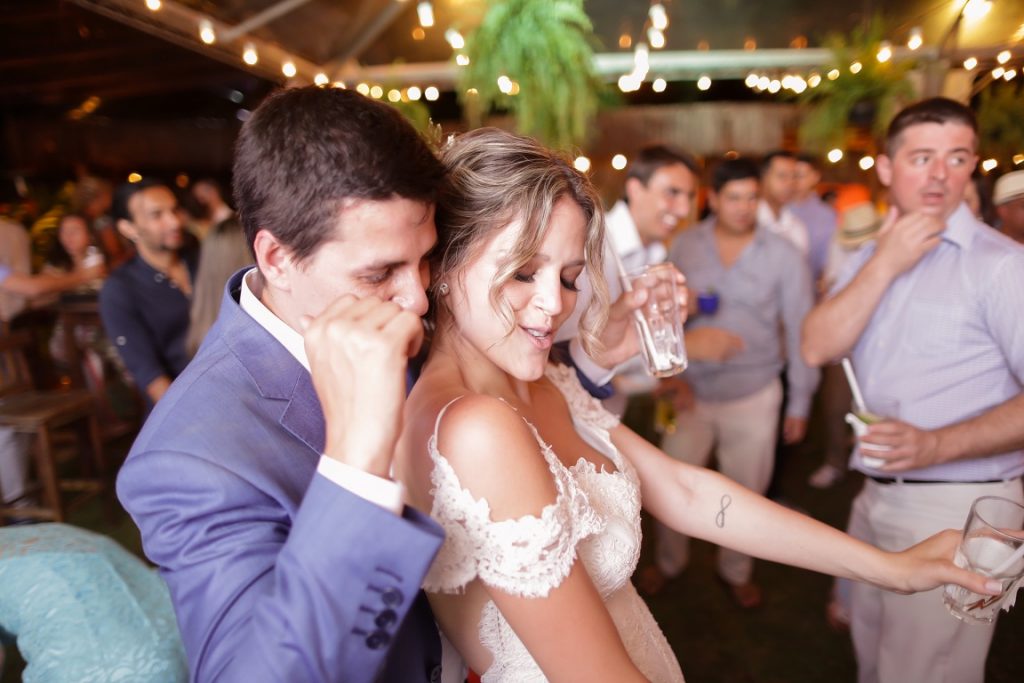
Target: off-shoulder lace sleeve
{"x": 527, "y": 556}
{"x": 582, "y": 405}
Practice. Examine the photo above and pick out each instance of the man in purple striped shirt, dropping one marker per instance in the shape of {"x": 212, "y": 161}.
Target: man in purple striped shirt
{"x": 931, "y": 317}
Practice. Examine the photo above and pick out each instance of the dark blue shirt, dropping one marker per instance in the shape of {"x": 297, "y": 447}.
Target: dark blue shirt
{"x": 146, "y": 317}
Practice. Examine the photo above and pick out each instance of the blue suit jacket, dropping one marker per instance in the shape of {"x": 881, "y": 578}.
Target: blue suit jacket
{"x": 277, "y": 574}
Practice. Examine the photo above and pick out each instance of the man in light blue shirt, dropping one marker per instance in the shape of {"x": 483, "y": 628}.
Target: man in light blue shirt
{"x": 763, "y": 285}
{"x": 931, "y": 316}
{"x": 819, "y": 217}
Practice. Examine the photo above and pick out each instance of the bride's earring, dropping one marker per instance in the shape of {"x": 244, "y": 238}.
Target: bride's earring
{"x": 443, "y": 289}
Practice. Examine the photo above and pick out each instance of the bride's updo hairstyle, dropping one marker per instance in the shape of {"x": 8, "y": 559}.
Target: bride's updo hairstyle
{"x": 493, "y": 178}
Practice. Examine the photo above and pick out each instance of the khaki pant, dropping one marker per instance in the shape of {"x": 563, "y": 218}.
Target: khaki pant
{"x": 913, "y": 638}
{"x": 744, "y": 432}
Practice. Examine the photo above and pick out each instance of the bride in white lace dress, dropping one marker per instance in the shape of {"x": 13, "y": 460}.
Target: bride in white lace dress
{"x": 537, "y": 487}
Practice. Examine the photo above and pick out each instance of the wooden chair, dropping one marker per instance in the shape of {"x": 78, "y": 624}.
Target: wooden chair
{"x": 46, "y": 415}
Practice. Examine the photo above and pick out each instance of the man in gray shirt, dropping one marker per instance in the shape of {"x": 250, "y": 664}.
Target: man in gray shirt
{"x": 763, "y": 283}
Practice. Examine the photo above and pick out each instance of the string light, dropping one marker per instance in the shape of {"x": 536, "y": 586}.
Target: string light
{"x": 153, "y": 5}
{"x": 976, "y": 9}
{"x": 1003, "y": 57}
{"x": 989, "y": 165}
{"x": 775, "y": 86}
{"x": 866, "y": 162}
{"x": 414, "y": 93}
{"x": 751, "y": 80}
{"x": 658, "y": 15}
{"x": 134, "y": 177}
{"x": 619, "y": 162}
{"x": 431, "y": 93}
{"x": 455, "y": 39}
{"x": 884, "y": 52}
{"x": 376, "y": 92}
{"x": 704, "y": 82}
{"x": 249, "y": 55}
{"x": 288, "y": 69}
{"x": 1018, "y": 159}
{"x": 916, "y": 38}
{"x": 321, "y": 79}
{"x": 749, "y": 43}
{"x": 363, "y": 89}
{"x": 206, "y": 32}
{"x": 418, "y": 33}
{"x": 856, "y": 67}
{"x": 625, "y": 41}
{"x": 833, "y": 74}
{"x": 998, "y": 72}
{"x": 835, "y": 155}
{"x": 394, "y": 95}
{"x": 581, "y": 164}
{"x": 814, "y": 80}
{"x": 659, "y": 85}
{"x": 462, "y": 59}
{"x": 970, "y": 63}
{"x": 763, "y": 82}
{"x": 656, "y": 38}
{"x": 338, "y": 84}
{"x": 798, "y": 85}
{"x": 1010, "y": 75}
{"x": 425, "y": 12}
{"x": 505, "y": 84}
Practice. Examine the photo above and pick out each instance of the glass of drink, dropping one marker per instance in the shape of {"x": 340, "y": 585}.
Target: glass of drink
{"x": 658, "y": 321}
{"x": 881, "y": 409}
{"x": 993, "y": 535}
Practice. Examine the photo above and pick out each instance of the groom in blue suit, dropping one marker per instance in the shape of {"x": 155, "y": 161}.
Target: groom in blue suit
{"x": 261, "y": 481}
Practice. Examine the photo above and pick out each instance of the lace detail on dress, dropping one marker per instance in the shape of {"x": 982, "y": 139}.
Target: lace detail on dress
{"x": 582, "y": 405}
{"x": 527, "y": 556}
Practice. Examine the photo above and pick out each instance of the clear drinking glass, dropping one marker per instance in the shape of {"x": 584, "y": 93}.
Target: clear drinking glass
{"x": 658, "y": 321}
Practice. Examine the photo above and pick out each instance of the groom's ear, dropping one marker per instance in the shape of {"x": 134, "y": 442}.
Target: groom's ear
{"x": 275, "y": 260}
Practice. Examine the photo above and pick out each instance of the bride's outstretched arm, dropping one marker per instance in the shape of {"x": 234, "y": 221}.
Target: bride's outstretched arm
{"x": 702, "y": 503}
{"x": 550, "y": 602}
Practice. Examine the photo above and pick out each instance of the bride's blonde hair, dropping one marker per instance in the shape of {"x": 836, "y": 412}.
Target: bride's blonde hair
{"x": 493, "y": 178}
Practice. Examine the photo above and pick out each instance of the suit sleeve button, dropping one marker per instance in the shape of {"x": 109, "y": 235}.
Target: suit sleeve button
{"x": 377, "y": 640}
{"x": 386, "y": 618}
{"x": 392, "y": 597}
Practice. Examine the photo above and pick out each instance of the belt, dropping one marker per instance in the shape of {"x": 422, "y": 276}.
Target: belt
{"x": 901, "y": 480}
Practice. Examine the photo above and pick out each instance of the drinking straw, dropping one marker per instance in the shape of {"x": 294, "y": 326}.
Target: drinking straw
{"x": 858, "y": 398}
{"x": 1009, "y": 561}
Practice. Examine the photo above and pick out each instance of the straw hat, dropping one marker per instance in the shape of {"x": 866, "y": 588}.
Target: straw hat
{"x": 858, "y": 224}
{"x": 1008, "y": 188}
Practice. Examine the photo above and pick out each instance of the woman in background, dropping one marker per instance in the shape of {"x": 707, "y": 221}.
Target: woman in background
{"x": 223, "y": 252}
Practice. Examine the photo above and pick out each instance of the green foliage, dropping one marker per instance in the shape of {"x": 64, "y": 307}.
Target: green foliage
{"x": 1000, "y": 117}
{"x": 545, "y": 46}
{"x": 878, "y": 90}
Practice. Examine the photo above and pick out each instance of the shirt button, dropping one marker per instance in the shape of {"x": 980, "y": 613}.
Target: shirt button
{"x": 392, "y": 597}
{"x": 377, "y": 640}
{"x": 435, "y": 674}
{"x": 386, "y": 618}
{"x": 159, "y": 277}
{"x": 121, "y": 341}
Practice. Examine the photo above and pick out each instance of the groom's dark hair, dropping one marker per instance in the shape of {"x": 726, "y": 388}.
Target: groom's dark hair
{"x": 305, "y": 152}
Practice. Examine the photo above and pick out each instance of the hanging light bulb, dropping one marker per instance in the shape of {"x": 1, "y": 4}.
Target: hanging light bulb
{"x": 970, "y": 63}
{"x": 658, "y": 15}
{"x": 431, "y": 93}
{"x": 581, "y": 164}
{"x": 856, "y": 67}
{"x": 619, "y": 162}
{"x": 153, "y": 5}
{"x": 814, "y": 80}
{"x": 288, "y": 69}
{"x": 656, "y": 38}
{"x": 916, "y": 38}
{"x": 884, "y": 52}
{"x": 976, "y": 9}
{"x": 1003, "y": 57}
{"x": 321, "y": 79}
{"x": 206, "y": 32}
{"x": 455, "y": 39}
{"x": 414, "y": 93}
{"x": 835, "y": 155}
{"x": 989, "y": 165}
{"x": 704, "y": 82}
{"x": 249, "y": 55}
{"x": 659, "y": 85}
{"x": 751, "y": 80}
{"x": 866, "y": 162}
{"x": 425, "y": 12}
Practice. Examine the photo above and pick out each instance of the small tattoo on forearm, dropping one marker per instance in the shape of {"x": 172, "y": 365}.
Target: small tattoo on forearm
{"x": 720, "y": 517}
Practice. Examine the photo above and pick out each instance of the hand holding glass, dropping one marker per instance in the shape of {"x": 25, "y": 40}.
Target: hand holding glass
{"x": 658, "y": 321}
{"x": 993, "y": 545}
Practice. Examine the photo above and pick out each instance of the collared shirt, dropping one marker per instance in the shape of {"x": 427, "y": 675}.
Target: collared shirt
{"x": 383, "y": 492}
{"x": 786, "y": 224}
{"x": 820, "y": 220}
{"x": 146, "y": 316}
{"x": 622, "y": 234}
{"x": 768, "y": 284}
{"x": 946, "y": 341}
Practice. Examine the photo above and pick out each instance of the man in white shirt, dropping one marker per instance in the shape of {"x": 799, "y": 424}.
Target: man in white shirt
{"x": 779, "y": 188}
